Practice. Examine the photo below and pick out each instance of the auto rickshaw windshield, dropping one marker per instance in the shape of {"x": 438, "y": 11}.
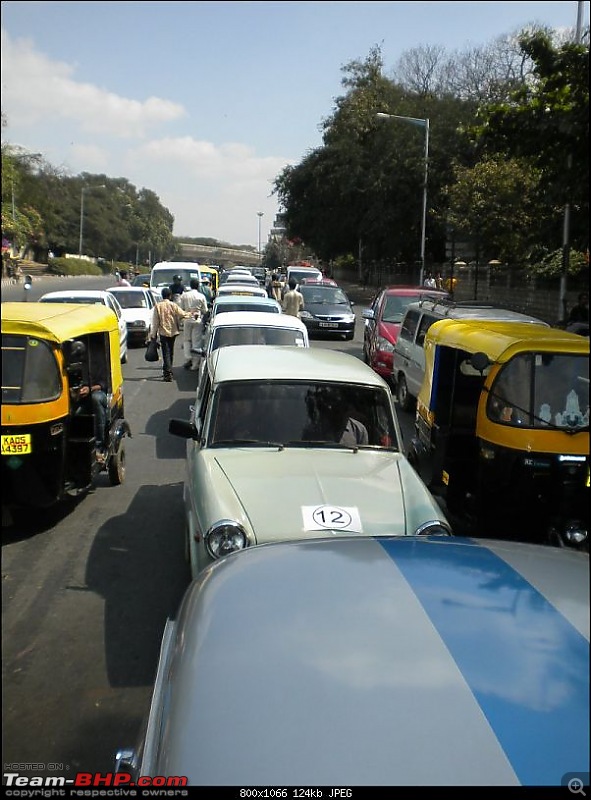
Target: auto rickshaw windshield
{"x": 539, "y": 390}
{"x": 30, "y": 372}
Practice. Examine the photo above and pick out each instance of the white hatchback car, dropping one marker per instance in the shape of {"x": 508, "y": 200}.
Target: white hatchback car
{"x": 136, "y": 304}
{"x": 89, "y": 296}
{"x": 252, "y": 327}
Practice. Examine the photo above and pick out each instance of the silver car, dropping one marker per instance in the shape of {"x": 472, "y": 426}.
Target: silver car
{"x": 347, "y": 662}
{"x": 287, "y": 442}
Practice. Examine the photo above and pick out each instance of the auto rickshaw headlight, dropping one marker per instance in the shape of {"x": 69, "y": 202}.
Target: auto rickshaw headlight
{"x": 575, "y": 532}
{"x": 225, "y": 536}
{"x": 434, "y": 527}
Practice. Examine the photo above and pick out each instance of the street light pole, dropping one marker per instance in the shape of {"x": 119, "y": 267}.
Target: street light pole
{"x": 422, "y": 123}
{"x": 85, "y": 189}
{"x": 259, "y": 215}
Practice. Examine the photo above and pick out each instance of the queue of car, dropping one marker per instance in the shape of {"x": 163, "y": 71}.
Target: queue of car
{"x": 331, "y": 600}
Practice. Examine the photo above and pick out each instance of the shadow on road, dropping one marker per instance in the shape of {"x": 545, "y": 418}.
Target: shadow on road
{"x": 140, "y": 571}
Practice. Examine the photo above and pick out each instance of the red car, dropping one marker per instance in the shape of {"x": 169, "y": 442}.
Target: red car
{"x": 382, "y": 324}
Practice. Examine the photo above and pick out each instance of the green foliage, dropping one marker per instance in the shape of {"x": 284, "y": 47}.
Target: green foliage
{"x": 551, "y": 264}
{"x": 496, "y": 203}
{"x": 73, "y": 266}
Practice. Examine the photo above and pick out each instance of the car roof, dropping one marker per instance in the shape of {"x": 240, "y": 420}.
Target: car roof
{"x": 259, "y": 319}
{"x": 502, "y": 340}
{"x": 467, "y": 310}
{"x": 405, "y": 291}
{"x": 98, "y": 293}
{"x": 395, "y": 662}
{"x": 142, "y": 289}
{"x": 277, "y": 362}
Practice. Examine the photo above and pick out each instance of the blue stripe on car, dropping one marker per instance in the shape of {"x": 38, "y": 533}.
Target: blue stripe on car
{"x": 526, "y": 665}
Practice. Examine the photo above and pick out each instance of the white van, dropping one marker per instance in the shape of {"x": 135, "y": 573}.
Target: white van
{"x": 408, "y": 358}
{"x": 163, "y": 272}
{"x": 298, "y": 273}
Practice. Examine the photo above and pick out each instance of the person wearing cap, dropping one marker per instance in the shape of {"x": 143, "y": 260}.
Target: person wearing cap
{"x": 206, "y": 290}
{"x": 193, "y": 300}
{"x": 176, "y": 288}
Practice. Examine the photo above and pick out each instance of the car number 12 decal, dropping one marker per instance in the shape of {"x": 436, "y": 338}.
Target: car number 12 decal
{"x": 332, "y": 518}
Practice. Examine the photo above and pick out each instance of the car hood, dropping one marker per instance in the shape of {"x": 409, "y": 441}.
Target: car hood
{"x": 341, "y": 662}
{"x": 311, "y": 492}
{"x": 390, "y": 330}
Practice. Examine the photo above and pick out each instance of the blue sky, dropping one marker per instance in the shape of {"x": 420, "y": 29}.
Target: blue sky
{"x": 204, "y": 103}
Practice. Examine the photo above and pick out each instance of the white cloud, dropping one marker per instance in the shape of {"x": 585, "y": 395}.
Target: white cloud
{"x": 34, "y": 87}
{"x": 212, "y": 189}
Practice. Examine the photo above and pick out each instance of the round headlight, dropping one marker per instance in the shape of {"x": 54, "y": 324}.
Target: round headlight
{"x": 433, "y": 528}
{"x": 225, "y": 536}
{"x": 575, "y": 532}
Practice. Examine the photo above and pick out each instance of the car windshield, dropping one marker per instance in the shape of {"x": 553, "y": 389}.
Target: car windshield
{"x": 165, "y": 277}
{"x": 326, "y": 295}
{"x": 251, "y": 334}
{"x": 301, "y": 414}
{"x": 30, "y": 373}
{"x": 539, "y": 390}
{"x": 131, "y": 299}
{"x": 238, "y": 306}
{"x": 395, "y": 306}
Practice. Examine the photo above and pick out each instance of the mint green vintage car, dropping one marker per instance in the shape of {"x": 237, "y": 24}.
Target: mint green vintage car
{"x": 291, "y": 443}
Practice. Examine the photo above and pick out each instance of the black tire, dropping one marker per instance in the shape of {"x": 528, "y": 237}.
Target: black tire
{"x": 402, "y": 394}
{"x": 116, "y": 467}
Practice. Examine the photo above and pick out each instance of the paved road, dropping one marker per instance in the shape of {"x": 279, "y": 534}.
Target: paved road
{"x": 85, "y": 595}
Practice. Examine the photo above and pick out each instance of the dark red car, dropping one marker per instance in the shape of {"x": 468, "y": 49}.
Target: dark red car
{"x": 382, "y": 324}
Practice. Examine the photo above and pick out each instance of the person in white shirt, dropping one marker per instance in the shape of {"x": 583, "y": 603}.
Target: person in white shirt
{"x": 122, "y": 280}
{"x": 193, "y": 300}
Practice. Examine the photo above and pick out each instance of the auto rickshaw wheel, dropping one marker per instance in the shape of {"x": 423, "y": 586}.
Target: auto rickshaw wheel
{"x": 117, "y": 467}
{"x": 402, "y": 393}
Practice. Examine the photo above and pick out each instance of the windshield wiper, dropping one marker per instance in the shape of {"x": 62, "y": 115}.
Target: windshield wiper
{"x": 247, "y": 442}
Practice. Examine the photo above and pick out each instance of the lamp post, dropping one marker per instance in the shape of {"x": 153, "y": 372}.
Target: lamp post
{"x": 421, "y": 123}
{"x": 259, "y": 215}
{"x": 85, "y": 189}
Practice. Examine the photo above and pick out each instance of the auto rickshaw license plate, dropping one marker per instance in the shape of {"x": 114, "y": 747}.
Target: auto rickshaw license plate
{"x": 16, "y": 444}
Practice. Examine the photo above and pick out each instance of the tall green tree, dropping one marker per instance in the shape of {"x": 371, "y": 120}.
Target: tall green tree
{"x": 546, "y": 122}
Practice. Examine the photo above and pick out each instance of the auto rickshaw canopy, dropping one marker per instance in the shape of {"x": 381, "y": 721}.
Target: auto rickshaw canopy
{"x": 56, "y": 324}
{"x": 501, "y": 343}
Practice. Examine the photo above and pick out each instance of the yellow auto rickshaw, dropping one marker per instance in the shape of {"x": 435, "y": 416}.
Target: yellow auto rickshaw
{"x": 213, "y": 275}
{"x": 50, "y": 353}
{"x": 502, "y": 429}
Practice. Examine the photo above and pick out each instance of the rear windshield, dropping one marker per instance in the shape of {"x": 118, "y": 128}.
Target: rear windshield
{"x": 220, "y": 307}
{"x": 250, "y": 334}
{"x": 131, "y": 299}
{"x": 30, "y": 372}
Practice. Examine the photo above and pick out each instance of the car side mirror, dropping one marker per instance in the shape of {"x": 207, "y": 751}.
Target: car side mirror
{"x": 183, "y": 428}
{"x": 480, "y": 361}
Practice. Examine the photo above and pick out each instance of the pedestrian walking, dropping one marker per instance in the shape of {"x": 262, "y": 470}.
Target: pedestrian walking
{"x": 165, "y": 324}
{"x": 194, "y": 301}
{"x": 123, "y": 280}
{"x": 293, "y": 301}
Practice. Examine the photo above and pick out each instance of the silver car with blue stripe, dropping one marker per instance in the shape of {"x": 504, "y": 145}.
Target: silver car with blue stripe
{"x": 402, "y": 661}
